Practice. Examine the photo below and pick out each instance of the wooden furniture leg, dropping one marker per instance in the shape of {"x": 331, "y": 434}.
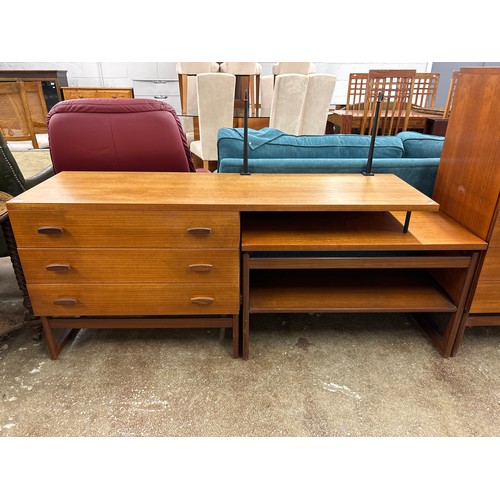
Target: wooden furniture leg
{"x": 245, "y": 306}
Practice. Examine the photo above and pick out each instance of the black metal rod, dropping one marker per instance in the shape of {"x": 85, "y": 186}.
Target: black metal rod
{"x": 368, "y": 170}
{"x": 245, "y": 135}
{"x": 407, "y": 222}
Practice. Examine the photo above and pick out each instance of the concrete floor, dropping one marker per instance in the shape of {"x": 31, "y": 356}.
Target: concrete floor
{"x": 308, "y": 375}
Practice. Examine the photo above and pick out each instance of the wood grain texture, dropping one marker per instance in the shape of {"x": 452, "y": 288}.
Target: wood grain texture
{"x": 93, "y": 228}
{"x": 118, "y": 265}
{"x": 134, "y": 299}
{"x": 346, "y": 291}
{"x": 186, "y": 191}
{"x": 355, "y": 231}
{"x": 468, "y": 179}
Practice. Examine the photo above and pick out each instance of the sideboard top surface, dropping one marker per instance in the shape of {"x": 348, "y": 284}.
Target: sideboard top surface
{"x": 190, "y": 191}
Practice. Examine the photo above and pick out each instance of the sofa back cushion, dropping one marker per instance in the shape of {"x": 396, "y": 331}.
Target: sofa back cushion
{"x": 272, "y": 143}
{"x": 417, "y": 145}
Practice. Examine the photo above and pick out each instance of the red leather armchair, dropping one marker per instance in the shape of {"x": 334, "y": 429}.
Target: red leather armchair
{"x": 142, "y": 135}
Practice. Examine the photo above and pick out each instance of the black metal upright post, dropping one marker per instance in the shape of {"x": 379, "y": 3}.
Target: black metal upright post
{"x": 368, "y": 170}
{"x": 245, "y": 135}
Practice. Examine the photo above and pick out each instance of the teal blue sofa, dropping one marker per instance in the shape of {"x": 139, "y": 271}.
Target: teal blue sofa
{"x": 412, "y": 156}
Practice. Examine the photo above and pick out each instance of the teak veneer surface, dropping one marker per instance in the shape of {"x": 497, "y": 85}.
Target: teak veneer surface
{"x": 111, "y": 227}
{"x": 355, "y": 231}
{"x": 346, "y": 291}
{"x": 151, "y": 265}
{"x": 182, "y": 191}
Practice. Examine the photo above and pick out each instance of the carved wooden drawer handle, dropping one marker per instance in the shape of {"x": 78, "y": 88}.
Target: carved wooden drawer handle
{"x": 66, "y": 301}
{"x": 199, "y": 230}
{"x": 204, "y": 301}
{"x": 58, "y": 267}
{"x": 200, "y": 268}
{"x": 50, "y": 230}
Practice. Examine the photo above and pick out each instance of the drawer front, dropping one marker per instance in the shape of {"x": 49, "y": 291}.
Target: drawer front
{"x": 79, "y": 93}
{"x": 155, "y": 87}
{"x": 147, "y": 265}
{"x": 114, "y": 93}
{"x": 123, "y": 228}
{"x": 134, "y": 299}
{"x": 486, "y": 298}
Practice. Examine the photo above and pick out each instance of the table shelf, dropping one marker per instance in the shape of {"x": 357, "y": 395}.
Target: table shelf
{"x": 343, "y": 290}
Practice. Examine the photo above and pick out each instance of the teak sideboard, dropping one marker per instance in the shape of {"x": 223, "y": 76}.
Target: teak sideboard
{"x": 102, "y": 249}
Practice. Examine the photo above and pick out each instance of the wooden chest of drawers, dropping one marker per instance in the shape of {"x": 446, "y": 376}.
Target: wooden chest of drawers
{"x": 114, "y": 262}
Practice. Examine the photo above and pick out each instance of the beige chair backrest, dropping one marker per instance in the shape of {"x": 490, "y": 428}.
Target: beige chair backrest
{"x": 301, "y": 103}
{"x": 318, "y": 98}
{"x": 241, "y": 68}
{"x": 288, "y": 103}
{"x": 302, "y": 68}
{"x": 215, "y": 108}
{"x": 194, "y": 68}
{"x": 187, "y": 72}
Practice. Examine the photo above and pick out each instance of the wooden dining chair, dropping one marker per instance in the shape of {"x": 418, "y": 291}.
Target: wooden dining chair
{"x": 451, "y": 94}
{"x": 397, "y": 88}
{"x": 425, "y": 90}
{"x": 356, "y": 91}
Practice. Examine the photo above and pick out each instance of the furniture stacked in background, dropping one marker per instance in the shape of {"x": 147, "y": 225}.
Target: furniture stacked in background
{"x": 23, "y": 111}
{"x": 411, "y": 112}
{"x": 468, "y": 183}
{"x": 412, "y": 156}
{"x": 51, "y": 81}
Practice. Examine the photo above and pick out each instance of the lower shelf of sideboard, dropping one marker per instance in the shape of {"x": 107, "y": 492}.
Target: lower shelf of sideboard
{"x": 343, "y": 290}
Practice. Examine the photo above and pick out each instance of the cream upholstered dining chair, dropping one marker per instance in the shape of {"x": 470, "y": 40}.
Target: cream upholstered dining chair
{"x": 288, "y": 102}
{"x": 248, "y": 78}
{"x": 302, "y": 68}
{"x": 301, "y": 103}
{"x": 187, "y": 72}
{"x": 215, "y": 111}
{"x": 318, "y": 98}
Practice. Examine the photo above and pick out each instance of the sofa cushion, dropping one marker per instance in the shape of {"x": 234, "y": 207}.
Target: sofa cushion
{"x": 417, "y": 145}
{"x": 272, "y": 144}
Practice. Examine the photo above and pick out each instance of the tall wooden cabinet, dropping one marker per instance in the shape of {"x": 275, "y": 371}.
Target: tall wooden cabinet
{"x": 468, "y": 183}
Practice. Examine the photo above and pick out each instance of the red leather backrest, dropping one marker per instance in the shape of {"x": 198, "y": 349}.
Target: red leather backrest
{"x": 141, "y": 135}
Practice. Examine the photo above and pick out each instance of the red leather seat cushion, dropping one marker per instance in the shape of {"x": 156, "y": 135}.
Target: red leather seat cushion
{"x": 117, "y": 134}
